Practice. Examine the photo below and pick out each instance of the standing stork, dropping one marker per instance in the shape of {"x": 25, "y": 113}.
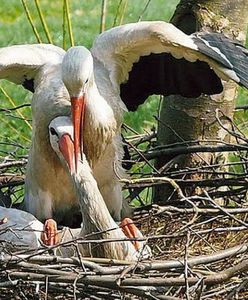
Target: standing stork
{"x": 125, "y": 65}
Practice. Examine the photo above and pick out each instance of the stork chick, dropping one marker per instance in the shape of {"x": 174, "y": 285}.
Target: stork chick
{"x": 96, "y": 219}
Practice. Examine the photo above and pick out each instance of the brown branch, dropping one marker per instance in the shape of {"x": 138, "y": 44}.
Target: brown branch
{"x": 244, "y": 107}
{"x": 193, "y": 261}
{"x": 141, "y": 267}
{"x": 151, "y": 154}
{"x": 216, "y": 182}
{"x": 157, "y": 210}
{"x": 14, "y": 180}
{"x": 186, "y": 266}
{"x": 15, "y": 163}
{"x": 204, "y": 168}
{"x": 143, "y": 139}
{"x": 227, "y": 274}
{"x": 17, "y": 260}
{"x": 143, "y": 157}
{"x": 224, "y": 211}
{"x": 14, "y": 108}
{"x": 111, "y": 281}
{"x": 144, "y": 181}
{"x": 231, "y": 132}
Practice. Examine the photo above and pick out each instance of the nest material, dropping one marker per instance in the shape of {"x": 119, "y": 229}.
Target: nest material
{"x": 199, "y": 243}
{"x": 203, "y": 259}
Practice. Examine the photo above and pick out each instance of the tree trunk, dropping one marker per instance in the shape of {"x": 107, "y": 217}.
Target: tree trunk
{"x": 185, "y": 119}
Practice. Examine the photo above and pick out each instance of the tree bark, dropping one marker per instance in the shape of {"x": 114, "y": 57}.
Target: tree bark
{"x": 183, "y": 119}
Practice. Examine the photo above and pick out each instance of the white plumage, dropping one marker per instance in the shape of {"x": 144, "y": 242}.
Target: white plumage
{"x": 97, "y": 222}
{"x": 125, "y": 65}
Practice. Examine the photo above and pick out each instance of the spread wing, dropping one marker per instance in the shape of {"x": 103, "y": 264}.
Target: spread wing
{"x": 21, "y": 63}
{"x": 155, "y": 57}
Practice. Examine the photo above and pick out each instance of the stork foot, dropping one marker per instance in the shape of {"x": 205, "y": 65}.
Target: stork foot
{"x": 131, "y": 231}
{"x": 50, "y": 235}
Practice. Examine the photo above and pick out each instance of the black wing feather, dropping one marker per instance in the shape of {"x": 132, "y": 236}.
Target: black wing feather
{"x": 236, "y": 54}
{"x": 162, "y": 74}
{"x": 28, "y": 84}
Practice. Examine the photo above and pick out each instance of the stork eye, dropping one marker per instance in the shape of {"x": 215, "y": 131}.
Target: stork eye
{"x": 53, "y": 131}
{"x": 86, "y": 80}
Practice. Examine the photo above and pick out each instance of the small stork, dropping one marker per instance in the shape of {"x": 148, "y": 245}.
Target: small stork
{"x": 96, "y": 219}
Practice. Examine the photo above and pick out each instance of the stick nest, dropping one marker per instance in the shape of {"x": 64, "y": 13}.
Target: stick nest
{"x": 198, "y": 233}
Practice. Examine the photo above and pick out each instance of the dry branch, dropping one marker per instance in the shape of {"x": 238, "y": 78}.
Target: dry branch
{"x": 193, "y": 149}
{"x": 10, "y": 181}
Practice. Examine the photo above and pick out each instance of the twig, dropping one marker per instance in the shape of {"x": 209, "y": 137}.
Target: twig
{"x": 110, "y": 281}
{"x": 193, "y": 261}
{"x": 157, "y": 210}
{"x": 238, "y": 136}
{"x": 15, "y": 108}
{"x": 225, "y": 211}
{"x": 68, "y": 18}
{"x": 142, "y": 266}
{"x": 152, "y": 180}
{"x": 186, "y": 266}
{"x": 15, "y": 163}
{"x": 18, "y": 118}
{"x": 64, "y": 26}
{"x": 216, "y": 182}
{"x": 41, "y": 259}
{"x": 103, "y": 15}
{"x": 123, "y": 12}
{"x": 236, "y": 290}
{"x": 227, "y": 274}
{"x": 143, "y": 157}
{"x": 244, "y": 107}
{"x": 151, "y": 154}
{"x": 144, "y": 10}
{"x": 43, "y": 22}
{"x": 8, "y": 181}
{"x": 31, "y": 21}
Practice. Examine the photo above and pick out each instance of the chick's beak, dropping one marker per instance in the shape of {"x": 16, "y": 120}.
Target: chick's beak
{"x": 78, "y": 108}
{"x": 66, "y": 147}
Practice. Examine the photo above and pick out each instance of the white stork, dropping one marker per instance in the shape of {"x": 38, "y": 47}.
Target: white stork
{"x": 96, "y": 219}
{"x": 125, "y": 65}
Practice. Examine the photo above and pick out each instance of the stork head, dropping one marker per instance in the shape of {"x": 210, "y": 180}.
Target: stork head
{"x": 77, "y": 74}
{"x": 61, "y": 140}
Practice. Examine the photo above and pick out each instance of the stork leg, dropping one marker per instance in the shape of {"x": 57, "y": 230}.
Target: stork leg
{"x": 131, "y": 231}
{"x": 50, "y": 236}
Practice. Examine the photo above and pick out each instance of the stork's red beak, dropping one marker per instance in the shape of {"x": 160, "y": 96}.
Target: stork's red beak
{"x": 78, "y": 107}
{"x": 66, "y": 147}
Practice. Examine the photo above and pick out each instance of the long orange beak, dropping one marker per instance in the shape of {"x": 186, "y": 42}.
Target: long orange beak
{"x": 66, "y": 147}
{"x": 78, "y": 108}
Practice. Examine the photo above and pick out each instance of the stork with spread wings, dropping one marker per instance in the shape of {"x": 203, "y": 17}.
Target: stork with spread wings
{"x": 125, "y": 65}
